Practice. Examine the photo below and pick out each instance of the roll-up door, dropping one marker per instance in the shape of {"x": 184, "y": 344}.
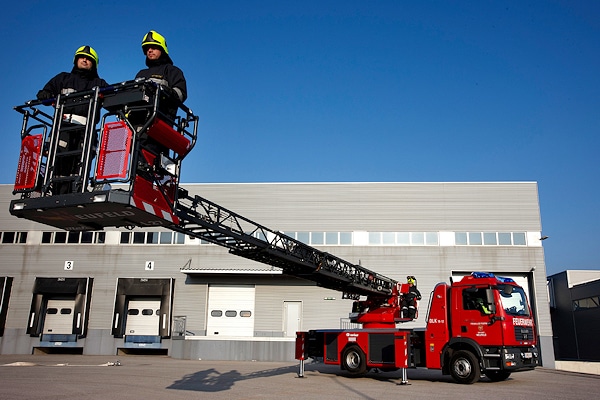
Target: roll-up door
{"x": 230, "y": 310}
{"x": 143, "y": 317}
{"x": 58, "y": 319}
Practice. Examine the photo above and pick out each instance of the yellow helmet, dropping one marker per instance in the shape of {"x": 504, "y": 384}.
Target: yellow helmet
{"x": 411, "y": 279}
{"x": 88, "y": 52}
{"x": 155, "y": 38}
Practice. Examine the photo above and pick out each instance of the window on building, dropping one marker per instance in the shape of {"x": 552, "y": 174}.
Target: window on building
{"x": 417, "y": 238}
{"x": 519, "y": 239}
{"x": 73, "y": 237}
{"x": 303, "y": 237}
{"x": 8, "y": 237}
{"x": 586, "y": 303}
{"x": 403, "y": 238}
{"x": 504, "y": 238}
{"x": 60, "y": 237}
{"x": 139, "y": 237}
{"x": 166, "y": 237}
{"x": 125, "y": 237}
{"x": 475, "y": 238}
{"x": 388, "y": 238}
{"x": 317, "y": 238}
{"x": 346, "y": 238}
{"x": 432, "y": 238}
{"x": 331, "y": 238}
{"x": 374, "y": 238}
{"x": 13, "y": 237}
{"x": 460, "y": 239}
{"x": 489, "y": 239}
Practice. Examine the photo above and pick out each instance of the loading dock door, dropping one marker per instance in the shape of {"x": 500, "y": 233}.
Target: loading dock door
{"x": 131, "y": 322}
{"x": 143, "y": 318}
{"x": 230, "y": 310}
{"x": 57, "y": 299}
{"x": 58, "y": 319}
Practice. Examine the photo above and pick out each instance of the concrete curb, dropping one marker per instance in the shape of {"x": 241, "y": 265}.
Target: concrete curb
{"x": 579, "y": 366}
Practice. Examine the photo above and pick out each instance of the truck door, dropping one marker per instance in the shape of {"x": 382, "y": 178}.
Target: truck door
{"x": 474, "y": 309}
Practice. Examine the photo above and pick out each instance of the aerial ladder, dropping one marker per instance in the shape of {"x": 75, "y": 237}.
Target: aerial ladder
{"x": 118, "y": 180}
{"x": 125, "y": 172}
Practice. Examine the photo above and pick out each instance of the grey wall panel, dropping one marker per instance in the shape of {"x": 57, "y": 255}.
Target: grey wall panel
{"x": 382, "y": 206}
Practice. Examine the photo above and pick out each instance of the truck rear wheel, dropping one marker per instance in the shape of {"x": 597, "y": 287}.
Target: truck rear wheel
{"x": 354, "y": 361}
{"x": 464, "y": 367}
{"x": 497, "y": 376}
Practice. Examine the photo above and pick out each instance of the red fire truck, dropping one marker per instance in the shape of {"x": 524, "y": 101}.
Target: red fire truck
{"x": 481, "y": 324}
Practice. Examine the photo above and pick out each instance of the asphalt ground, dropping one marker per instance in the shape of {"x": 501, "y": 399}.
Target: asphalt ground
{"x": 55, "y": 376}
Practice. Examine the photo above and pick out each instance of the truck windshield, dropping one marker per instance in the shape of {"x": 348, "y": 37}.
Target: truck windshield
{"x": 515, "y": 302}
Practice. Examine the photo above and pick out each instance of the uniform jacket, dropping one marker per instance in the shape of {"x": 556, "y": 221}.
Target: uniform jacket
{"x": 74, "y": 81}
{"x": 68, "y": 82}
{"x": 163, "y": 72}
{"x": 413, "y": 293}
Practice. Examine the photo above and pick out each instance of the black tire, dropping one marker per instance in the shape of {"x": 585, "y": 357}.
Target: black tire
{"x": 497, "y": 376}
{"x": 354, "y": 360}
{"x": 464, "y": 367}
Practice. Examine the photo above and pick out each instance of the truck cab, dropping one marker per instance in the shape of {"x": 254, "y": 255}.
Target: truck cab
{"x": 481, "y": 324}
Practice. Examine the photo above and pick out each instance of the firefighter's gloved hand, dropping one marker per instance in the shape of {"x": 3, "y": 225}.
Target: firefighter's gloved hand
{"x": 44, "y": 95}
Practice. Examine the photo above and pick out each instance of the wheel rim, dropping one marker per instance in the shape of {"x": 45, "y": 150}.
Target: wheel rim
{"x": 353, "y": 360}
{"x": 462, "y": 368}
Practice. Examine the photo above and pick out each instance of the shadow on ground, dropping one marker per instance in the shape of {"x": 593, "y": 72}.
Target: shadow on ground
{"x": 211, "y": 380}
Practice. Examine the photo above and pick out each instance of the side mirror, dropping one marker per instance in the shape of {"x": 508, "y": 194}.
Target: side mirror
{"x": 491, "y": 303}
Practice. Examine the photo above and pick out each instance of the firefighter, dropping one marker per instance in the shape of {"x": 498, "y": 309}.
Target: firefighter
{"x": 162, "y": 71}
{"x": 409, "y": 300}
{"x": 83, "y": 76}
{"x": 481, "y": 306}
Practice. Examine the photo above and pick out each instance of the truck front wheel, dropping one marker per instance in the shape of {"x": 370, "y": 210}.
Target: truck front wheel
{"x": 464, "y": 367}
{"x": 354, "y": 361}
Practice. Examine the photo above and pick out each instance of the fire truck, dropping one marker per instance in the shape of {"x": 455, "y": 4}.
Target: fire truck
{"x": 481, "y": 324}
{"x": 119, "y": 165}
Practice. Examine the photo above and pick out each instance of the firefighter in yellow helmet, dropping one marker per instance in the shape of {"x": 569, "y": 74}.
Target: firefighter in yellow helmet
{"x": 409, "y": 300}
{"x": 83, "y": 76}
{"x": 160, "y": 66}
{"x": 160, "y": 69}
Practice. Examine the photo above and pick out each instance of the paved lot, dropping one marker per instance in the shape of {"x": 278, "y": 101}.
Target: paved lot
{"x": 78, "y": 377}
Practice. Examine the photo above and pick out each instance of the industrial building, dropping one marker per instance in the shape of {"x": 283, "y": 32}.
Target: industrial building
{"x": 132, "y": 290}
{"x": 575, "y": 313}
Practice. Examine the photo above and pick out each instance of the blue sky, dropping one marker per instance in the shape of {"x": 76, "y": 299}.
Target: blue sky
{"x": 399, "y": 91}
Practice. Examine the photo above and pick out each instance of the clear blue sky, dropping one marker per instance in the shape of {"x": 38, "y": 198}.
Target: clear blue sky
{"x": 351, "y": 90}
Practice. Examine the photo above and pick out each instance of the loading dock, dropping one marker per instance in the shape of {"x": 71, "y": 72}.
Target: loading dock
{"x": 142, "y": 314}
{"x": 5, "y": 287}
{"x": 59, "y": 312}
